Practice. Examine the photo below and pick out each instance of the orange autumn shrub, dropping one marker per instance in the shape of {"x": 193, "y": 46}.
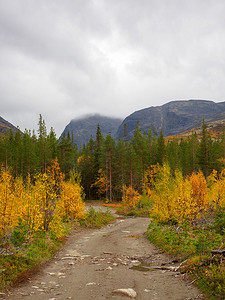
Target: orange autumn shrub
{"x": 130, "y": 197}
{"x": 199, "y": 192}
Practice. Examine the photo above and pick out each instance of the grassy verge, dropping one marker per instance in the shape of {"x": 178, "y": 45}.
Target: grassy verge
{"x": 194, "y": 244}
{"x": 97, "y": 219}
{"x": 19, "y": 257}
{"x": 141, "y": 209}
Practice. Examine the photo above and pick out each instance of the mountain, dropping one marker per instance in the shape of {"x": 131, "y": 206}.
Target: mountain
{"x": 83, "y": 128}
{"x": 214, "y": 128}
{"x": 174, "y": 117}
{"x": 5, "y": 125}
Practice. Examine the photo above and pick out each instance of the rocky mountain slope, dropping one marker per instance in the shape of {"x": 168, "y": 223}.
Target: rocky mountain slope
{"x": 83, "y": 128}
{"x": 174, "y": 117}
{"x": 5, "y": 125}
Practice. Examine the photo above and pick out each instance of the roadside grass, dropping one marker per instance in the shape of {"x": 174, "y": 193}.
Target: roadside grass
{"x": 19, "y": 257}
{"x": 141, "y": 209}
{"x": 97, "y": 219}
{"x": 193, "y": 245}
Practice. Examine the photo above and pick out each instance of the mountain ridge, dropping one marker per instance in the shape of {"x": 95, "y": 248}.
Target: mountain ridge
{"x": 5, "y": 126}
{"x": 173, "y": 117}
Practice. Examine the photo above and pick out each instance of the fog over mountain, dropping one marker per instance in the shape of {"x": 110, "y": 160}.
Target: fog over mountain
{"x": 83, "y": 128}
{"x": 172, "y": 118}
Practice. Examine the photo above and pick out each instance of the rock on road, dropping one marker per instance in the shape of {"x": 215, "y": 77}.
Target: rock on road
{"x": 94, "y": 264}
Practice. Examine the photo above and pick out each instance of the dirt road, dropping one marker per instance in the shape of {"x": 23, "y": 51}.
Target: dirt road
{"x": 93, "y": 264}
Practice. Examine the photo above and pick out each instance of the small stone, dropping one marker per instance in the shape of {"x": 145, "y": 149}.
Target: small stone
{"x": 135, "y": 261}
{"x": 35, "y": 287}
{"x": 73, "y": 253}
{"x": 23, "y": 294}
{"x": 128, "y": 292}
{"x": 109, "y": 268}
{"x": 91, "y": 283}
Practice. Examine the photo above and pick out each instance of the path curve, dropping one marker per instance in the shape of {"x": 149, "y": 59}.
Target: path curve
{"x": 93, "y": 264}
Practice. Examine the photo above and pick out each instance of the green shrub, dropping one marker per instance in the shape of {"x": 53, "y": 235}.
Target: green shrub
{"x": 219, "y": 221}
{"x": 19, "y": 234}
{"x": 97, "y": 219}
{"x": 12, "y": 266}
{"x": 145, "y": 202}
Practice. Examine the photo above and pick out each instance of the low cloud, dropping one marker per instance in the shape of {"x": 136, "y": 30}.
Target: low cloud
{"x": 66, "y": 59}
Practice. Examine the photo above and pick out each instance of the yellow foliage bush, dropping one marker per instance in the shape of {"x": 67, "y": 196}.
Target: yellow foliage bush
{"x": 43, "y": 205}
{"x": 163, "y": 198}
{"x": 130, "y": 197}
{"x": 149, "y": 179}
{"x": 217, "y": 189}
{"x": 177, "y": 198}
{"x": 7, "y": 202}
{"x": 70, "y": 205}
{"x": 101, "y": 183}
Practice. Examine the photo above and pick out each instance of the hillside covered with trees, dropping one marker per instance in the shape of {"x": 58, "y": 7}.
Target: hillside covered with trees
{"x": 106, "y": 166}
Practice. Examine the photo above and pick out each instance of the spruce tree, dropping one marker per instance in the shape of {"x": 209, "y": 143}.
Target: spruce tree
{"x": 160, "y": 149}
{"x": 98, "y": 149}
{"x": 204, "y": 154}
{"x": 108, "y": 151}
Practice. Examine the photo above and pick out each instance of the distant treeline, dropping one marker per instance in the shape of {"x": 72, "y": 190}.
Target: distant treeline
{"x": 106, "y": 166}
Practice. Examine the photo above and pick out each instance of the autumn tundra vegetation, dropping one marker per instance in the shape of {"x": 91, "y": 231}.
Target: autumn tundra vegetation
{"x": 178, "y": 183}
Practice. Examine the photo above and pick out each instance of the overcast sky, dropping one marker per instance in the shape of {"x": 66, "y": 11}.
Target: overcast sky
{"x": 65, "y": 59}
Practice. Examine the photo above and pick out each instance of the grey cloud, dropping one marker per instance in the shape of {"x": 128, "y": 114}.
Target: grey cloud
{"x": 68, "y": 58}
